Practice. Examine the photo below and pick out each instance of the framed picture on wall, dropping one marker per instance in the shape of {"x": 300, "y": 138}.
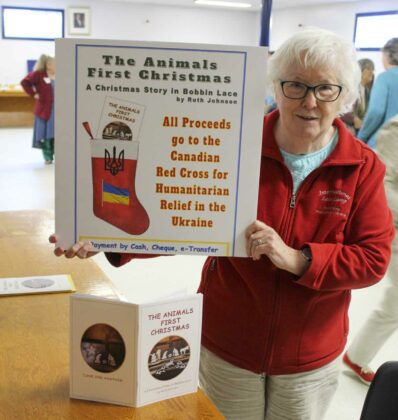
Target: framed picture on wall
{"x": 79, "y": 21}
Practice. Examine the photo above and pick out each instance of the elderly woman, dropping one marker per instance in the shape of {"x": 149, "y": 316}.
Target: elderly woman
{"x": 275, "y": 323}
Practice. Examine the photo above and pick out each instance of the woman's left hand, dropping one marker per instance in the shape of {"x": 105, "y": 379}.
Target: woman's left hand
{"x": 263, "y": 239}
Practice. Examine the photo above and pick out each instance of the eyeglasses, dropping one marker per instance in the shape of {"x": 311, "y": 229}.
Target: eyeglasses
{"x": 325, "y": 92}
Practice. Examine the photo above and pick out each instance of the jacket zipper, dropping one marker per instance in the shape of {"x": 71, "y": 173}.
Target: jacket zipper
{"x": 292, "y": 203}
{"x": 275, "y": 310}
{"x": 275, "y": 314}
{"x": 285, "y": 235}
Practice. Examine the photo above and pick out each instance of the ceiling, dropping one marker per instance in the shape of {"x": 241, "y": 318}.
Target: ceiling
{"x": 256, "y": 4}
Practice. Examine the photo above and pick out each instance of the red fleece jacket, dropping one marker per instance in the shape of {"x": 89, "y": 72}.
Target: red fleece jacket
{"x": 38, "y": 82}
{"x": 264, "y": 319}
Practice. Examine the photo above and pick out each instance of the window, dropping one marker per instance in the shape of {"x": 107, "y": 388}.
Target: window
{"x": 373, "y": 30}
{"x": 32, "y": 23}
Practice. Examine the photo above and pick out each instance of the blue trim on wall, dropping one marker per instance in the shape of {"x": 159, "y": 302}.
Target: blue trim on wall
{"x": 358, "y": 15}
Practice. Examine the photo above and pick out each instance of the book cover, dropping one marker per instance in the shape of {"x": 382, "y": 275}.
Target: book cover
{"x": 36, "y": 284}
{"x": 134, "y": 354}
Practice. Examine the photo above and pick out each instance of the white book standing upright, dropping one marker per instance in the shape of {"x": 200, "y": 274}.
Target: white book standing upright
{"x": 134, "y": 354}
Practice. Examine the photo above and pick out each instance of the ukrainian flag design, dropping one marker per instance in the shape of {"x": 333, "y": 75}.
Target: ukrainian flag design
{"x": 112, "y": 194}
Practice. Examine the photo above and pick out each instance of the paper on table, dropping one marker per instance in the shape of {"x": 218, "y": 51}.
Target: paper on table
{"x": 36, "y": 284}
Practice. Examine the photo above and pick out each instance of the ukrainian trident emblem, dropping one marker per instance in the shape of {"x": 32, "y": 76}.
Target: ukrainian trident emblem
{"x": 114, "y": 164}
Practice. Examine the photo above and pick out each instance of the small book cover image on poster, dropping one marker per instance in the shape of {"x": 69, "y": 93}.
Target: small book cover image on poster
{"x": 120, "y": 120}
{"x": 36, "y": 284}
{"x": 134, "y": 354}
{"x": 114, "y": 159}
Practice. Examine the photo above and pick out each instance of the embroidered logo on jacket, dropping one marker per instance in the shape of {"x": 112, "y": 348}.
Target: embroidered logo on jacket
{"x": 333, "y": 201}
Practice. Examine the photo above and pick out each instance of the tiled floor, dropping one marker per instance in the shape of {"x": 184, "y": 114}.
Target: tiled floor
{"x": 26, "y": 183}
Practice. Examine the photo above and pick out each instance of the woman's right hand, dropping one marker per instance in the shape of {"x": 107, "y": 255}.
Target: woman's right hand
{"x": 81, "y": 250}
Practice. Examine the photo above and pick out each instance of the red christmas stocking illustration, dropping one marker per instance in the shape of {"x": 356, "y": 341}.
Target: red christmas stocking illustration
{"x": 114, "y": 164}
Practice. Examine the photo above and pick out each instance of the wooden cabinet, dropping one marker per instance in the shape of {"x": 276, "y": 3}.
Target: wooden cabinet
{"x": 16, "y": 109}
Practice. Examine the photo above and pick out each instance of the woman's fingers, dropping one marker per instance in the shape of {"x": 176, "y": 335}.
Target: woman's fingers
{"x": 58, "y": 251}
{"x": 53, "y": 238}
{"x": 254, "y": 236}
{"x": 73, "y": 250}
{"x": 85, "y": 251}
{"x": 79, "y": 249}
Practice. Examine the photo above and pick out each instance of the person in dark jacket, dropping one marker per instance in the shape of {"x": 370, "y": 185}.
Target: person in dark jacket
{"x": 275, "y": 323}
{"x": 40, "y": 85}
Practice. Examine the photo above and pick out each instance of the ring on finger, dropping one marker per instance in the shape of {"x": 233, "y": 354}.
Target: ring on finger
{"x": 258, "y": 242}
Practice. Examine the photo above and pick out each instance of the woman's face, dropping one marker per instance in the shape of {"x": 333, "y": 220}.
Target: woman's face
{"x": 385, "y": 60}
{"x": 50, "y": 66}
{"x": 307, "y": 118}
{"x": 367, "y": 76}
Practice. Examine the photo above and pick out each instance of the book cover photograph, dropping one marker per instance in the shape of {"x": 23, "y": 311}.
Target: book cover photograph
{"x": 160, "y": 145}
{"x": 134, "y": 354}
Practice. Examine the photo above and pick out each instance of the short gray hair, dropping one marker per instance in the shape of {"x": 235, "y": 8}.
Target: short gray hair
{"x": 316, "y": 48}
{"x": 391, "y": 51}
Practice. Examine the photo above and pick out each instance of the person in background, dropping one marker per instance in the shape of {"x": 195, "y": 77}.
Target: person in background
{"x": 383, "y": 322}
{"x": 275, "y": 323}
{"x": 40, "y": 84}
{"x": 354, "y": 118}
{"x": 383, "y": 103}
{"x": 270, "y": 104}
{"x": 269, "y": 101}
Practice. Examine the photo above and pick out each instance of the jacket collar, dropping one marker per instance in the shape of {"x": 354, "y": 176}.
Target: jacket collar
{"x": 348, "y": 150}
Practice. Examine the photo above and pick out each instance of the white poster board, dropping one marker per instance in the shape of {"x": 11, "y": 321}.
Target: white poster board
{"x": 158, "y": 145}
